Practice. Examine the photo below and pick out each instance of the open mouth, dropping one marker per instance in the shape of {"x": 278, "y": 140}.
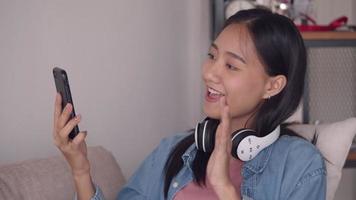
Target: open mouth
{"x": 213, "y": 95}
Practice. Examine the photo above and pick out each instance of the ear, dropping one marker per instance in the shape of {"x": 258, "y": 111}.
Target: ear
{"x": 274, "y": 85}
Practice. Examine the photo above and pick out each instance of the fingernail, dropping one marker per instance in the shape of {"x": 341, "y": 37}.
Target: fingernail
{"x": 78, "y": 117}
{"x": 85, "y": 133}
{"x": 68, "y": 106}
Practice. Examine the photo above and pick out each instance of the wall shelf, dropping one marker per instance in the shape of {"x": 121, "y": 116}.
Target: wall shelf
{"x": 329, "y": 35}
{"x": 329, "y": 39}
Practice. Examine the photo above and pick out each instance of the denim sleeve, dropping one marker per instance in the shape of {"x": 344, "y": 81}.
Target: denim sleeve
{"x": 311, "y": 187}
{"x": 148, "y": 178}
{"x": 97, "y": 196}
{"x": 136, "y": 186}
{"x": 305, "y": 171}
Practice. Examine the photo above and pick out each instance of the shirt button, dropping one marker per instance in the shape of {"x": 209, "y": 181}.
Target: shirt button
{"x": 175, "y": 184}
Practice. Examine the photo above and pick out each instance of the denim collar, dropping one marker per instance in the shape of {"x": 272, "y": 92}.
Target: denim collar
{"x": 189, "y": 155}
{"x": 256, "y": 165}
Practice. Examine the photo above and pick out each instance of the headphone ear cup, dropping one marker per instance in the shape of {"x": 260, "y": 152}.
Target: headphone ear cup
{"x": 245, "y": 142}
{"x": 205, "y": 134}
{"x": 210, "y": 131}
{"x": 199, "y": 135}
{"x": 236, "y": 139}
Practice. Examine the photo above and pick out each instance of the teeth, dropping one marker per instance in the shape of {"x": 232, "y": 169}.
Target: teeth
{"x": 214, "y": 92}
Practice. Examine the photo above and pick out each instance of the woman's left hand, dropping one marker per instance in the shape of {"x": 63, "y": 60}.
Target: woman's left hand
{"x": 219, "y": 162}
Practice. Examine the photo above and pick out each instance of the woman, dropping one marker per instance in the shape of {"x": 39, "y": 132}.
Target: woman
{"x": 254, "y": 76}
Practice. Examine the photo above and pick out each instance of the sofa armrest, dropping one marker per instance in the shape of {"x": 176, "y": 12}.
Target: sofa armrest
{"x": 105, "y": 171}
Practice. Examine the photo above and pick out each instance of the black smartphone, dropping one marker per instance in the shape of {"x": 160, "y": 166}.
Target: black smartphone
{"x": 62, "y": 86}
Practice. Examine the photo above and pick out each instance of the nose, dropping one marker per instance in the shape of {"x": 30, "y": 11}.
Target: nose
{"x": 212, "y": 72}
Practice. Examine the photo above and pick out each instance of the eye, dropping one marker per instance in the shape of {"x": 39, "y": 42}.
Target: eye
{"x": 229, "y": 66}
{"x": 211, "y": 56}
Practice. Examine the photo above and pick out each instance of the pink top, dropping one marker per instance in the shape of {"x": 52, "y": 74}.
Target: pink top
{"x": 193, "y": 191}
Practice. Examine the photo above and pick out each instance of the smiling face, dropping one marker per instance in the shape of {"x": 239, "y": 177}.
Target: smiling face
{"x": 233, "y": 69}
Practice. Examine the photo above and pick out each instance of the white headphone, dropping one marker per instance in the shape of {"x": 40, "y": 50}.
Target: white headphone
{"x": 245, "y": 142}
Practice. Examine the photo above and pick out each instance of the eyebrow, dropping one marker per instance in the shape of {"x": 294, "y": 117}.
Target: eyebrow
{"x": 213, "y": 45}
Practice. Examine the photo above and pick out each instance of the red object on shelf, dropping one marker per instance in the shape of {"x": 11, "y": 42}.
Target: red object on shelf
{"x": 341, "y": 21}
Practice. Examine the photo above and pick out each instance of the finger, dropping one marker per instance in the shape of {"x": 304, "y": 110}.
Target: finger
{"x": 225, "y": 118}
{"x": 57, "y": 110}
{"x": 80, "y": 138}
{"x": 223, "y": 133}
{"x": 63, "y": 134}
{"x": 63, "y": 118}
{"x": 224, "y": 126}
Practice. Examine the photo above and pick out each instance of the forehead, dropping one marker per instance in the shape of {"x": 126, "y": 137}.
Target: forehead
{"x": 236, "y": 38}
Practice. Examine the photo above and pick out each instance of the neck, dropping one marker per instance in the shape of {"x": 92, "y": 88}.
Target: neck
{"x": 242, "y": 122}
{"x": 245, "y": 121}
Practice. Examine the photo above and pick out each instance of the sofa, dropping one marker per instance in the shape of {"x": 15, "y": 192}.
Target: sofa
{"x": 50, "y": 178}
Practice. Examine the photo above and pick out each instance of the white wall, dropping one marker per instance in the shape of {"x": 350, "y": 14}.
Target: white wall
{"x": 329, "y": 10}
{"x": 134, "y": 70}
{"x": 353, "y": 12}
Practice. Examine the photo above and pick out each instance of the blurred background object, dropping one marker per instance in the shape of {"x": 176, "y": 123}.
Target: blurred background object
{"x": 303, "y": 12}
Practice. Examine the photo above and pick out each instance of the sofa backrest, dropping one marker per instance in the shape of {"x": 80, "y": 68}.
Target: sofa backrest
{"x": 333, "y": 141}
{"x": 50, "y": 178}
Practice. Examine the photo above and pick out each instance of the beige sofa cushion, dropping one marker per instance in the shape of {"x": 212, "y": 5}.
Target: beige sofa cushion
{"x": 50, "y": 178}
{"x": 333, "y": 141}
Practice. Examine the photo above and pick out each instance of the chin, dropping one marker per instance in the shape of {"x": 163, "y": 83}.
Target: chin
{"x": 211, "y": 111}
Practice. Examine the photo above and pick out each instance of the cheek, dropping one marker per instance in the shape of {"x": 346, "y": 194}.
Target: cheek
{"x": 244, "y": 95}
{"x": 204, "y": 69}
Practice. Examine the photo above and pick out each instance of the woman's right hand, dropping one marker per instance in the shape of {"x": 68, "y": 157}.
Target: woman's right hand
{"x": 74, "y": 151}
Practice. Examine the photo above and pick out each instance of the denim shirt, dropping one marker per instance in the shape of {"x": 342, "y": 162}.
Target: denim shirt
{"x": 291, "y": 168}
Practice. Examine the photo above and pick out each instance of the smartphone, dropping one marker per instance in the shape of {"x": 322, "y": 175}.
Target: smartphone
{"x": 62, "y": 86}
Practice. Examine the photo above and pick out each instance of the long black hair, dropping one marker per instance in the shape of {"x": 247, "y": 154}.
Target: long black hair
{"x": 281, "y": 49}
